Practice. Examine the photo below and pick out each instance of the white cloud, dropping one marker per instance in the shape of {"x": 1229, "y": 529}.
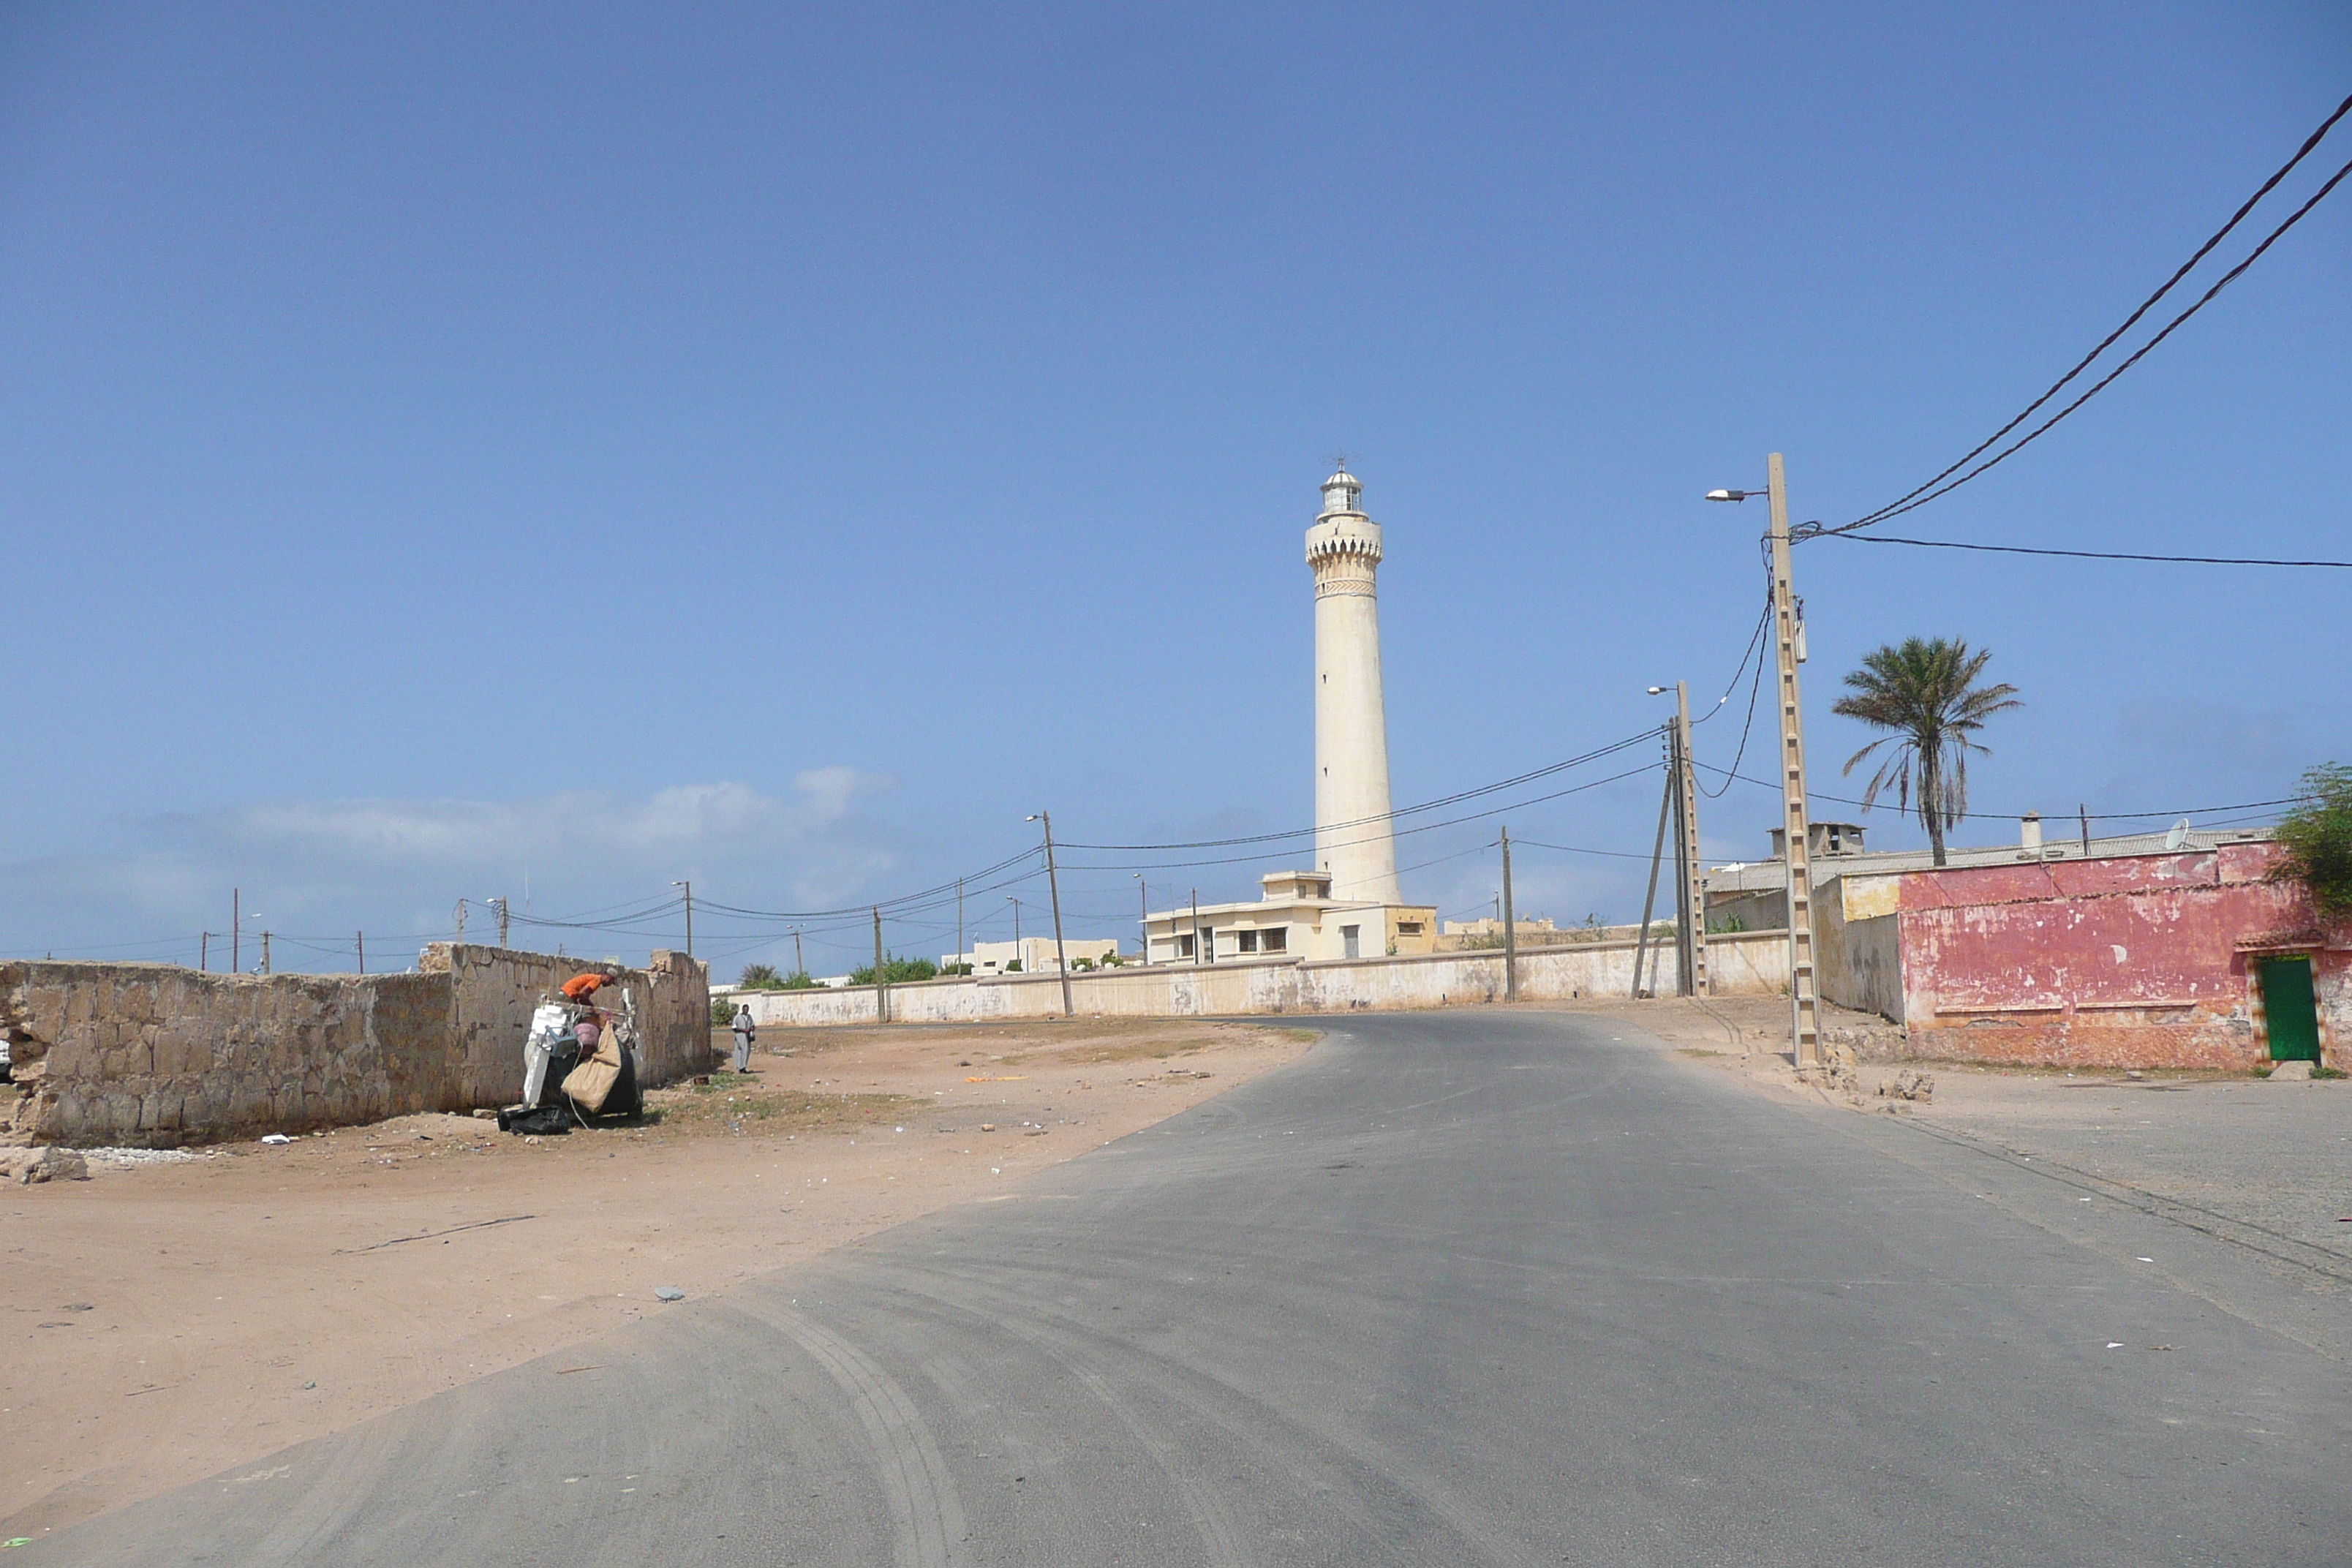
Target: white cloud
{"x": 328, "y": 866}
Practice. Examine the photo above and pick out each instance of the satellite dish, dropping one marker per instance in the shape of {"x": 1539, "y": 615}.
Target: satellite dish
{"x": 2179, "y": 836}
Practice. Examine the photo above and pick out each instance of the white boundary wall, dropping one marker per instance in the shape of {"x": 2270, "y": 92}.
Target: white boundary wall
{"x": 1747, "y": 963}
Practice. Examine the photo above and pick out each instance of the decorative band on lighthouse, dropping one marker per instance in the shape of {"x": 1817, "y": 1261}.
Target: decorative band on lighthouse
{"x": 1354, "y": 841}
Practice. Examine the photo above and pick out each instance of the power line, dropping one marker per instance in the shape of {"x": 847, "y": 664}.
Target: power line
{"x": 2080, "y": 555}
{"x": 1572, "y": 849}
{"x": 1455, "y": 799}
{"x": 2095, "y": 815}
{"x": 1936, "y": 487}
{"x": 1423, "y": 828}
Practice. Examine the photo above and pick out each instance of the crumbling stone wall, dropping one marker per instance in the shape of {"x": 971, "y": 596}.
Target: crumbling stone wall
{"x": 494, "y": 990}
{"x": 154, "y": 1054}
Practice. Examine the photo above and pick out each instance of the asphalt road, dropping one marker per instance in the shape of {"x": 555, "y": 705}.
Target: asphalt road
{"x": 1457, "y": 1289}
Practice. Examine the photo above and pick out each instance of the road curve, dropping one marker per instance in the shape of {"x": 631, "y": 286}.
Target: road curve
{"x": 1465, "y": 1288}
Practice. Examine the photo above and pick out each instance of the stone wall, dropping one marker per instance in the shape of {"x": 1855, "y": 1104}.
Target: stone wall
{"x": 1749, "y": 964}
{"x": 496, "y": 988}
{"x": 156, "y": 1056}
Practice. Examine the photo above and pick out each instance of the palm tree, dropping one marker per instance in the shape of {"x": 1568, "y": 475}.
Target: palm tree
{"x": 1924, "y": 692}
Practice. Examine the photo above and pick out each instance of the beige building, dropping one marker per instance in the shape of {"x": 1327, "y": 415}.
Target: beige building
{"x": 1035, "y": 954}
{"x": 1296, "y": 918}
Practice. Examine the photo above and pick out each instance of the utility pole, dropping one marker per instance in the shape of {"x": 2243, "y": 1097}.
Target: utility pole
{"x": 1143, "y": 915}
{"x": 1196, "y": 928}
{"x": 2084, "y": 809}
{"x": 881, "y": 992}
{"x": 1511, "y": 929}
{"x": 1015, "y": 902}
{"x": 205, "y": 954}
{"x": 959, "y": 919}
{"x": 461, "y": 920}
{"x": 265, "y": 952}
{"x": 358, "y": 946}
{"x": 1054, "y": 888}
{"x": 500, "y": 905}
{"x": 800, "y": 965}
{"x": 235, "y": 931}
{"x": 1650, "y": 899}
{"x": 1690, "y": 924}
{"x": 1804, "y": 1018}
{"x": 689, "y": 922}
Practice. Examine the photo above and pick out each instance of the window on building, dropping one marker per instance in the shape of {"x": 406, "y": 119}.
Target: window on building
{"x": 1407, "y": 928}
{"x": 1183, "y": 947}
{"x": 1275, "y": 941}
{"x": 1246, "y": 941}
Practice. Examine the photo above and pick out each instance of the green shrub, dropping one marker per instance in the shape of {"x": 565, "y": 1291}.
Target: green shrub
{"x": 798, "y": 980}
{"x": 760, "y": 977}
{"x": 897, "y": 971}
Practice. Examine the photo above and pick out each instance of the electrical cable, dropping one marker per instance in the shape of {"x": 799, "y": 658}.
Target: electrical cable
{"x": 2080, "y": 555}
{"x": 2095, "y": 816}
{"x": 1455, "y": 799}
{"x": 1423, "y": 828}
{"x": 1928, "y": 491}
{"x": 1572, "y": 849}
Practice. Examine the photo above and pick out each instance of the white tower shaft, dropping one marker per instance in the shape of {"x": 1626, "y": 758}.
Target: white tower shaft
{"x": 1353, "y": 839}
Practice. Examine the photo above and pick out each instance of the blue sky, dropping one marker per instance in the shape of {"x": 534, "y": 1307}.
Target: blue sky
{"x": 446, "y": 448}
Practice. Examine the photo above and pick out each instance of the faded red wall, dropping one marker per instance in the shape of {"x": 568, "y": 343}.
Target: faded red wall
{"x": 2136, "y": 960}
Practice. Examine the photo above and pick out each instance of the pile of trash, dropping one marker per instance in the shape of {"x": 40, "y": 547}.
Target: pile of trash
{"x": 580, "y": 1062}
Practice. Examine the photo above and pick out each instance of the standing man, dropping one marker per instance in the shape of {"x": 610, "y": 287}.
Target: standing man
{"x": 744, "y": 1029}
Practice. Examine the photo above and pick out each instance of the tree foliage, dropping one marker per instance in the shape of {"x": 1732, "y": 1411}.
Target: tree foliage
{"x": 2317, "y": 837}
{"x": 1923, "y": 691}
{"x": 895, "y": 971}
{"x": 760, "y": 977}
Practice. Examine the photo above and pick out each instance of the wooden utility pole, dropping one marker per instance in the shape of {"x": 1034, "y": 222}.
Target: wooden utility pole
{"x": 881, "y": 991}
{"x": 358, "y": 946}
{"x": 1196, "y": 927}
{"x": 2085, "y": 810}
{"x": 1796, "y": 821}
{"x": 1690, "y": 894}
{"x": 265, "y": 952}
{"x": 1511, "y": 929}
{"x": 205, "y": 954}
{"x": 1143, "y": 915}
{"x": 1650, "y": 899}
{"x": 1053, "y": 889}
{"x": 800, "y": 965}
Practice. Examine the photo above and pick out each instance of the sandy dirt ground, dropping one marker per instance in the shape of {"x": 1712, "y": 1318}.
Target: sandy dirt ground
{"x": 168, "y": 1321}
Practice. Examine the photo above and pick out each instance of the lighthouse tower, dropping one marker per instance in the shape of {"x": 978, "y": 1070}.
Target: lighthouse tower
{"x": 1353, "y": 840}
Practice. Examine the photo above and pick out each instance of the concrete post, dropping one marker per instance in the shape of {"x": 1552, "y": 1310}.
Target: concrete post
{"x": 1511, "y": 929}
{"x": 1804, "y": 1018}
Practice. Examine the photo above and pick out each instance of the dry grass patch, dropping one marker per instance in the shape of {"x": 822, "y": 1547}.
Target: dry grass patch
{"x": 733, "y": 1105}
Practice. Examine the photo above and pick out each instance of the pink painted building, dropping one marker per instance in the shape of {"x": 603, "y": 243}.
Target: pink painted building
{"x": 2189, "y": 959}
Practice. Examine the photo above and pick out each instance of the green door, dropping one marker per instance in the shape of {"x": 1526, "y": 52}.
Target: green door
{"x": 2287, "y": 1005}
